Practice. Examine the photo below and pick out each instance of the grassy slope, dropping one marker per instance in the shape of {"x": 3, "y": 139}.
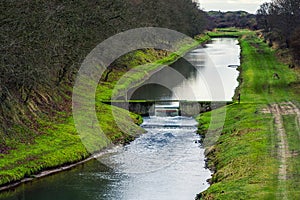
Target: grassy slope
{"x": 59, "y": 143}
{"x": 245, "y": 156}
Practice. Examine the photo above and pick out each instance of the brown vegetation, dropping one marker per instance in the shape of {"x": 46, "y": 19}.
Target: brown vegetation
{"x": 239, "y": 19}
{"x": 280, "y": 21}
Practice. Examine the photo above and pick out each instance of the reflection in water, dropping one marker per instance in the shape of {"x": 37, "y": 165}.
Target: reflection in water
{"x": 202, "y": 75}
{"x": 186, "y": 67}
{"x": 152, "y": 91}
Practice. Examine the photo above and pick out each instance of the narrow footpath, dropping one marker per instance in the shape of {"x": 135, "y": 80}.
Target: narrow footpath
{"x": 284, "y": 153}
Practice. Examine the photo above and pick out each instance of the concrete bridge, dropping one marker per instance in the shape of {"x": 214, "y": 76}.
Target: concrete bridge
{"x": 168, "y": 107}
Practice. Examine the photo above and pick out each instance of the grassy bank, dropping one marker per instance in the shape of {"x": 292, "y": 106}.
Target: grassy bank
{"x": 55, "y": 142}
{"x": 246, "y": 158}
{"x": 228, "y": 32}
{"x": 59, "y": 144}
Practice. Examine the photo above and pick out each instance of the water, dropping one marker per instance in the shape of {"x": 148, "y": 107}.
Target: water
{"x": 165, "y": 163}
{"x": 202, "y": 75}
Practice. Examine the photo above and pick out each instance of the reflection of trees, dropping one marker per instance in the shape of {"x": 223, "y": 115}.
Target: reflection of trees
{"x": 151, "y": 92}
{"x": 240, "y": 19}
{"x": 186, "y": 68}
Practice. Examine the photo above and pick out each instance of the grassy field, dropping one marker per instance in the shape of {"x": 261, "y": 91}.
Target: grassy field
{"x": 58, "y": 143}
{"x": 246, "y": 158}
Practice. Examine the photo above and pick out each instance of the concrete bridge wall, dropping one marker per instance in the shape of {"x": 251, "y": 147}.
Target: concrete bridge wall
{"x": 186, "y": 108}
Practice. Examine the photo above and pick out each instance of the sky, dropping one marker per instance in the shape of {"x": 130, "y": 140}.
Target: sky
{"x": 250, "y": 6}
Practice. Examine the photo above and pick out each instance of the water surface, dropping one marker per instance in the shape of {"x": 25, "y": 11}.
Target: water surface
{"x": 202, "y": 75}
{"x": 167, "y": 163}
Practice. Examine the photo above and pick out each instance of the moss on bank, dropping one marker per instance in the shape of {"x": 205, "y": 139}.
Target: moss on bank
{"x": 245, "y": 157}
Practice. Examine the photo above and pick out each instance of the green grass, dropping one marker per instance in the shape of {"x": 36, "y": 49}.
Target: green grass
{"x": 229, "y": 32}
{"x": 293, "y": 136}
{"x": 259, "y": 65}
{"x": 245, "y": 155}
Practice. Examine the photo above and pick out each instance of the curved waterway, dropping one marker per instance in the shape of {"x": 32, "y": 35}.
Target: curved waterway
{"x": 167, "y": 162}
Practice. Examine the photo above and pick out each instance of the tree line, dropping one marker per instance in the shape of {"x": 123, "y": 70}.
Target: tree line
{"x": 280, "y": 21}
{"x": 241, "y": 19}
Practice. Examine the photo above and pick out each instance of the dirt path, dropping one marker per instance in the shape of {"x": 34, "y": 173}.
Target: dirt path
{"x": 278, "y": 110}
{"x": 283, "y": 148}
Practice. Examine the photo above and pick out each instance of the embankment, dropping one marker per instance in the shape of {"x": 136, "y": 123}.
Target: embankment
{"x": 246, "y": 158}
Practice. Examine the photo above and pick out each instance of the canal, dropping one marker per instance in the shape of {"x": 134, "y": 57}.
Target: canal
{"x": 168, "y": 161}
